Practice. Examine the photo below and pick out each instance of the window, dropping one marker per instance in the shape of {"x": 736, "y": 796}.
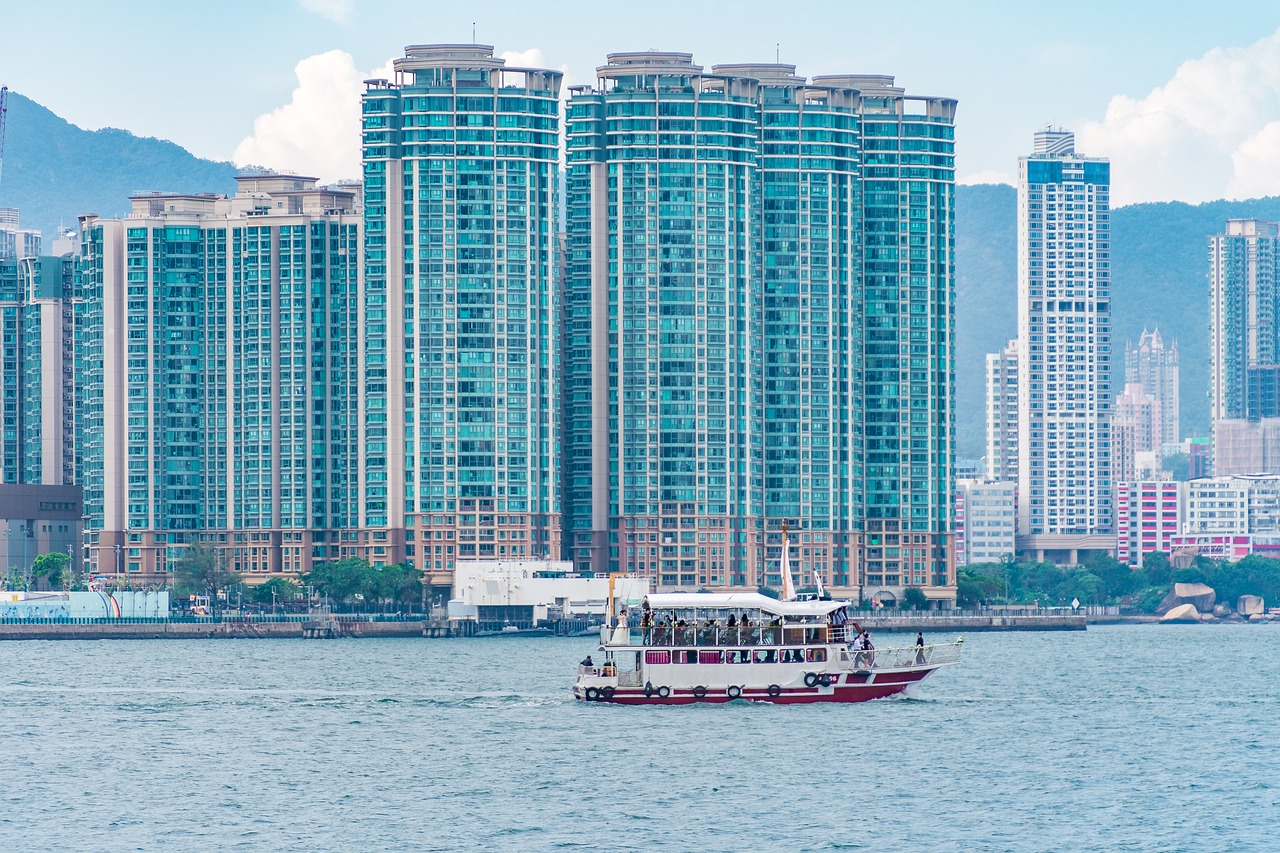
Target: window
{"x": 654, "y": 656}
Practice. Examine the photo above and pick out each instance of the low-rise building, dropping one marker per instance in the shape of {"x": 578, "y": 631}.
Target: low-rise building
{"x": 986, "y": 520}
{"x": 518, "y": 594}
{"x": 1149, "y": 514}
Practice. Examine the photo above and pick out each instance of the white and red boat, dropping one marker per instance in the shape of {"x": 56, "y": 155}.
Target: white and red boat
{"x": 774, "y": 651}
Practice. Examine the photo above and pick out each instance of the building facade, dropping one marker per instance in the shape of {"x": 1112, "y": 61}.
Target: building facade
{"x": 39, "y": 312}
{"x": 1149, "y": 514}
{"x": 1002, "y": 413}
{"x": 1064, "y": 378}
{"x": 986, "y": 521}
{"x": 1154, "y": 366}
{"x": 16, "y": 242}
{"x": 461, "y": 406}
{"x": 1244, "y": 320}
{"x": 220, "y": 356}
{"x": 759, "y": 324}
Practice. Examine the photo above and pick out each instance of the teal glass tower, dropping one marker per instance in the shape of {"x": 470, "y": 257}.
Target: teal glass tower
{"x": 461, "y": 407}
{"x": 663, "y": 320}
{"x": 219, "y": 355}
{"x": 38, "y": 315}
{"x": 907, "y": 359}
{"x": 811, "y": 223}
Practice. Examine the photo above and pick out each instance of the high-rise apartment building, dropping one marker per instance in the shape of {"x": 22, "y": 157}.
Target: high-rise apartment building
{"x": 1154, "y": 366}
{"x": 1064, "y": 376}
{"x": 220, "y": 363}
{"x": 1244, "y": 321}
{"x": 38, "y": 308}
{"x": 461, "y": 407}
{"x": 759, "y": 325}
{"x": 1002, "y": 413}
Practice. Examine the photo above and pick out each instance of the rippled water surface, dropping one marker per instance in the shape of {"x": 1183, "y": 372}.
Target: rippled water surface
{"x": 1125, "y": 738}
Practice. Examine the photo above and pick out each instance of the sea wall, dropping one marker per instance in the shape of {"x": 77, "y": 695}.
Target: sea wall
{"x": 937, "y": 621}
{"x": 162, "y": 630}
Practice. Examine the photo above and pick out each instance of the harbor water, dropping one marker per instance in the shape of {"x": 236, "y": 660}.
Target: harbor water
{"x": 1136, "y": 737}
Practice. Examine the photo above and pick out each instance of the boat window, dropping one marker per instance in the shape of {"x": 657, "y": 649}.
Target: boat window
{"x": 793, "y": 655}
{"x": 738, "y": 655}
{"x": 817, "y": 655}
{"x": 766, "y": 655}
{"x": 683, "y": 656}
{"x": 713, "y": 656}
{"x": 655, "y": 656}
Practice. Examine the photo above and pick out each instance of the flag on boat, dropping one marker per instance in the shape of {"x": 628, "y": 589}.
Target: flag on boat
{"x": 817, "y": 581}
{"x": 788, "y": 583}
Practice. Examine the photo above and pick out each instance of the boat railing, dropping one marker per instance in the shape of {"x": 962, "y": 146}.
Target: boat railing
{"x": 899, "y": 658}
{"x": 707, "y": 635}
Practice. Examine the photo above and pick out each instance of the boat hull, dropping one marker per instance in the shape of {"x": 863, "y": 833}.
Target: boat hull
{"x": 851, "y": 687}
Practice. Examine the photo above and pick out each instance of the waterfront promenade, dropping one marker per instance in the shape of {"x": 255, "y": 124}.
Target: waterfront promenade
{"x": 362, "y": 625}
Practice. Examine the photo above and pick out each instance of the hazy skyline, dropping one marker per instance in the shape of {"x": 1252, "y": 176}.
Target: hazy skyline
{"x": 1184, "y": 100}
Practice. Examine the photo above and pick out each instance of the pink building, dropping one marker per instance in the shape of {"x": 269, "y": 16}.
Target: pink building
{"x": 1148, "y": 518}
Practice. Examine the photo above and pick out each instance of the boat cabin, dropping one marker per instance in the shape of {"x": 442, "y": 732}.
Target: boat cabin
{"x": 731, "y": 619}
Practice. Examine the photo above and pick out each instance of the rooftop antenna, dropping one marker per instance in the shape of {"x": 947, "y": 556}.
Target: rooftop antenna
{"x": 777, "y": 53}
{"x": 473, "y": 32}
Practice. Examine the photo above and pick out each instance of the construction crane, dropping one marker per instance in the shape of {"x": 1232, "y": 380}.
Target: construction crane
{"x": 4, "y": 109}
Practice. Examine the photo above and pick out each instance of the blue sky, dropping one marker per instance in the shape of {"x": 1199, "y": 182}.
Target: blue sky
{"x": 1185, "y": 100}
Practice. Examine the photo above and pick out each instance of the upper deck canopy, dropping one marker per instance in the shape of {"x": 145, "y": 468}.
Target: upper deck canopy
{"x": 741, "y": 601}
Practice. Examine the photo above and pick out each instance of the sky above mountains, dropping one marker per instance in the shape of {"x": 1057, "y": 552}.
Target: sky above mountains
{"x": 1184, "y": 99}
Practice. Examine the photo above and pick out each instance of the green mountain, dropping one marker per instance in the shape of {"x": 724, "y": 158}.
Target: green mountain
{"x": 55, "y": 171}
{"x": 1159, "y": 269}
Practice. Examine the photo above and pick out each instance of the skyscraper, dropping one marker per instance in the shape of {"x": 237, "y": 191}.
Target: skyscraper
{"x": 1244, "y": 320}
{"x": 37, "y": 372}
{"x": 461, "y": 408}
{"x": 759, "y": 328}
{"x": 1155, "y": 367}
{"x": 1002, "y": 413}
{"x": 1064, "y": 377}
{"x": 219, "y": 358}
{"x": 664, "y": 441}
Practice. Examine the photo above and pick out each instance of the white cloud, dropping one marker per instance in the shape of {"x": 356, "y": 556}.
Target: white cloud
{"x": 987, "y": 176}
{"x": 338, "y": 11}
{"x": 1209, "y": 132}
{"x": 318, "y": 131}
{"x": 1256, "y": 164}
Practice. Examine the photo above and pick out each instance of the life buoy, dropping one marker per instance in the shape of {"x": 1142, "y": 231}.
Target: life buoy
{"x": 824, "y": 680}
{"x": 592, "y": 694}
{"x": 774, "y": 691}
{"x": 811, "y": 679}
{"x": 699, "y": 692}
{"x": 734, "y": 691}
{"x": 664, "y": 691}
{"x": 648, "y": 689}
{"x": 606, "y": 693}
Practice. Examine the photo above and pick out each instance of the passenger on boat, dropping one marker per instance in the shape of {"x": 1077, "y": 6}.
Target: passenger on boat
{"x": 869, "y": 648}
{"x": 587, "y": 663}
{"x": 732, "y": 623}
{"x": 919, "y": 647}
{"x": 746, "y": 621}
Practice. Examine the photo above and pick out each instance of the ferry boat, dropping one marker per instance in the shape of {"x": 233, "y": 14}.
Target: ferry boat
{"x": 787, "y": 652}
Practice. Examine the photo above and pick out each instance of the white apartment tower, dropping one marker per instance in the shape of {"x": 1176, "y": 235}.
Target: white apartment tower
{"x": 1064, "y": 375}
{"x": 1002, "y": 413}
